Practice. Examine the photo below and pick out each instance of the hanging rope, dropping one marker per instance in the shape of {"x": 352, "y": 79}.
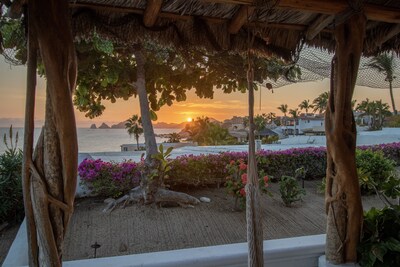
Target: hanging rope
{"x": 253, "y": 210}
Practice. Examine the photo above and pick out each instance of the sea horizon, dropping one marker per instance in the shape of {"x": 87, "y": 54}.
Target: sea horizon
{"x": 91, "y": 140}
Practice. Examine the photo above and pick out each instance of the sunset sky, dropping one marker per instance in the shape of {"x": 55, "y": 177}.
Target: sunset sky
{"x": 223, "y": 106}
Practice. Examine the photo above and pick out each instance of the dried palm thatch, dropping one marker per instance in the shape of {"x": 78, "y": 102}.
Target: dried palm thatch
{"x": 280, "y": 26}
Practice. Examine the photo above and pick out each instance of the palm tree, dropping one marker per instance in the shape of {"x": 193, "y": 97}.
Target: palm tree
{"x": 134, "y": 127}
{"x": 321, "y": 102}
{"x": 376, "y": 111}
{"x": 382, "y": 111}
{"x": 174, "y": 138}
{"x": 295, "y": 116}
{"x": 270, "y": 117}
{"x": 385, "y": 64}
{"x": 305, "y": 104}
{"x": 284, "y": 109}
{"x": 365, "y": 108}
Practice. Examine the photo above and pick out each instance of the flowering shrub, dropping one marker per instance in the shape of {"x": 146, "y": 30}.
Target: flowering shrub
{"x": 391, "y": 151}
{"x": 201, "y": 170}
{"x": 285, "y": 162}
{"x": 109, "y": 179}
{"x": 237, "y": 180}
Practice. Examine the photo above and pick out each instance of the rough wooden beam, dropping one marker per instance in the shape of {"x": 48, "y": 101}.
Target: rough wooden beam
{"x": 318, "y": 25}
{"x": 373, "y": 12}
{"x": 151, "y": 12}
{"x": 394, "y": 30}
{"x": 240, "y": 18}
{"x": 381, "y": 13}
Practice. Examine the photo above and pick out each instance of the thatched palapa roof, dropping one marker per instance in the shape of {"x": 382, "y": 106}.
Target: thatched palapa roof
{"x": 280, "y": 26}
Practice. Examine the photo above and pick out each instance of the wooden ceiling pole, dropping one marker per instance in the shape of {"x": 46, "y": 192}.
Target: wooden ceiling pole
{"x": 151, "y": 12}
{"x": 240, "y": 18}
{"x": 29, "y": 126}
{"x": 318, "y": 25}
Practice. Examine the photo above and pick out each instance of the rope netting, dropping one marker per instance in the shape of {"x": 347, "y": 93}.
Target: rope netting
{"x": 315, "y": 64}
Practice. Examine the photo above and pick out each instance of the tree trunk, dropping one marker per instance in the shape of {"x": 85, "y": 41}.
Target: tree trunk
{"x": 54, "y": 168}
{"x": 150, "y": 190}
{"x": 149, "y": 186}
{"x": 343, "y": 198}
{"x": 137, "y": 142}
{"x": 392, "y": 97}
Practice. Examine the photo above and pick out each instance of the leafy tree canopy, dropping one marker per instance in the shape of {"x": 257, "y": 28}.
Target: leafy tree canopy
{"x": 109, "y": 72}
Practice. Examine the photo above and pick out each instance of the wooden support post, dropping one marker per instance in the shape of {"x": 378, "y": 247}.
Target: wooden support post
{"x": 342, "y": 196}
{"x": 28, "y": 143}
{"x": 151, "y": 12}
{"x": 253, "y": 209}
{"x": 240, "y": 18}
{"x": 53, "y": 169}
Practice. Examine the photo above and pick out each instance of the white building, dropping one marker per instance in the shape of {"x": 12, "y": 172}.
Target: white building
{"x": 309, "y": 124}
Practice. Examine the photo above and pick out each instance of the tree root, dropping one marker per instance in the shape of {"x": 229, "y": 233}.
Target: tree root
{"x": 162, "y": 196}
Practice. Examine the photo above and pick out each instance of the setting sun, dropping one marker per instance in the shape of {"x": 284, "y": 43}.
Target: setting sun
{"x": 189, "y": 119}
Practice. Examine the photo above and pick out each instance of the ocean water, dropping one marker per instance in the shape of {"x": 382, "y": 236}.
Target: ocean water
{"x": 92, "y": 140}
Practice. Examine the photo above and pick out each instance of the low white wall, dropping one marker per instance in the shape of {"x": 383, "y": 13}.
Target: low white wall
{"x": 298, "y": 251}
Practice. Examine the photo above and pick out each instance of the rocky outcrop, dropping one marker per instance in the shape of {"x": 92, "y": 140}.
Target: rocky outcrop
{"x": 93, "y": 126}
{"x": 120, "y": 125}
{"x": 104, "y": 126}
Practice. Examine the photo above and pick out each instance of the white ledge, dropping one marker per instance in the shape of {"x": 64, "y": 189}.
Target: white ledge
{"x": 297, "y": 251}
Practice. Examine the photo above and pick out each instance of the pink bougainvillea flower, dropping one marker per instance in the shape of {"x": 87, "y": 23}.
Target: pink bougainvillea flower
{"x": 242, "y": 192}
{"x": 244, "y": 178}
{"x": 232, "y": 162}
{"x": 266, "y": 179}
{"x": 242, "y": 166}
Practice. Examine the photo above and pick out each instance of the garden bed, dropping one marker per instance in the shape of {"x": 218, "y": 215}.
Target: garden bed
{"x": 139, "y": 229}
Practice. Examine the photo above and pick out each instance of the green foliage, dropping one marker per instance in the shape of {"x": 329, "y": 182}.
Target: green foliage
{"x": 260, "y": 122}
{"x": 380, "y": 243}
{"x": 393, "y": 121}
{"x": 237, "y": 180}
{"x": 134, "y": 127}
{"x": 290, "y": 190}
{"x": 300, "y": 173}
{"x": 174, "y": 138}
{"x": 375, "y": 111}
{"x": 321, "y": 186}
{"x": 270, "y": 139}
{"x": 306, "y": 105}
{"x": 320, "y": 103}
{"x": 11, "y": 200}
{"x": 109, "y": 72}
{"x": 207, "y": 133}
{"x": 164, "y": 166}
{"x": 374, "y": 169}
{"x": 12, "y": 37}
